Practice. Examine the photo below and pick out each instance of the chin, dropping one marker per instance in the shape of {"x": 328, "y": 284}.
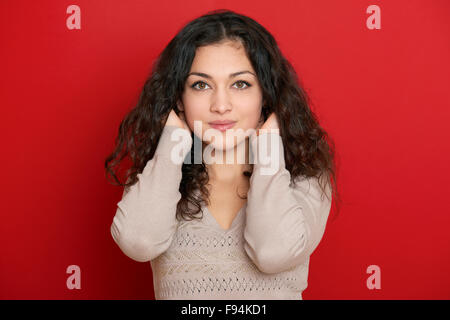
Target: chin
{"x": 228, "y": 143}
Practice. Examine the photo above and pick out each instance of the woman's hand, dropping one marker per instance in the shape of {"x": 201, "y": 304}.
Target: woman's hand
{"x": 178, "y": 121}
{"x": 271, "y": 123}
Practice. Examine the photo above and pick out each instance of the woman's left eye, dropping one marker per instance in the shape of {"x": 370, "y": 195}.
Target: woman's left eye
{"x": 243, "y": 82}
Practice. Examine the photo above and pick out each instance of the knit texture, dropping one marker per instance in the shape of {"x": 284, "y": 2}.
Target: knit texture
{"x": 265, "y": 253}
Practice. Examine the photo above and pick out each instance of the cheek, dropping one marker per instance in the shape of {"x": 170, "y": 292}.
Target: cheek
{"x": 195, "y": 109}
{"x": 195, "y": 113}
{"x": 250, "y": 115}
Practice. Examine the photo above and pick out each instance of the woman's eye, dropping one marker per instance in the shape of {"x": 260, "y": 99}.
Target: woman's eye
{"x": 241, "y": 82}
{"x": 199, "y": 82}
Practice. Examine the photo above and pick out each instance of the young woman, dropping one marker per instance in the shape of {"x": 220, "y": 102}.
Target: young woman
{"x": 223, "y": 230}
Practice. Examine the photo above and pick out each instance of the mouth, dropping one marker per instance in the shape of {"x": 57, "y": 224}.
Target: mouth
{"x": 222, "y": 126}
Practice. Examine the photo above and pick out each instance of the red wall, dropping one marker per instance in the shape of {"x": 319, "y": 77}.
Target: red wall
{"x": 381, "y": 94}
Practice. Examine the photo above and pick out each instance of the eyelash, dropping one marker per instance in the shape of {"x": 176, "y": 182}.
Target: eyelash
{"x": 248, "y": 85}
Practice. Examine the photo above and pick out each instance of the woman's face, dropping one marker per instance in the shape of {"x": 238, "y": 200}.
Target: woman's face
{"x": 214, "y": 91}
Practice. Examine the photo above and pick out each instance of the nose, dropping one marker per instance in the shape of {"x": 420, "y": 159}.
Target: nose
{"x": 220, "y": 101}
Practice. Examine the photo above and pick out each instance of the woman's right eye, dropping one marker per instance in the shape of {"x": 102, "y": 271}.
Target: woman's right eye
{"x": 199, "y": 82}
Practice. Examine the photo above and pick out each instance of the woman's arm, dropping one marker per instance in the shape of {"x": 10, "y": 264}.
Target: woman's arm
{"x": 284, "y": 224}
{"x": 145, "y": 220}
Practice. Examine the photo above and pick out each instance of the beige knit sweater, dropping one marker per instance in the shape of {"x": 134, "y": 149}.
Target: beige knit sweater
{"x": 263, "y": 255}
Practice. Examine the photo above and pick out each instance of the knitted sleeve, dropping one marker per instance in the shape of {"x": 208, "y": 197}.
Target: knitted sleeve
{"x": 284, "y": 224}
{"x": 145, "y": 220}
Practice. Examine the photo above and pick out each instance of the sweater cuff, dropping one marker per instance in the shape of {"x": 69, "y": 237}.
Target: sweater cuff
{"x": 267, "y": 152}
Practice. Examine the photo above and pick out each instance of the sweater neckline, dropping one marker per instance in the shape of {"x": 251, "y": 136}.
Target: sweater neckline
{"x": 236, "y": 221}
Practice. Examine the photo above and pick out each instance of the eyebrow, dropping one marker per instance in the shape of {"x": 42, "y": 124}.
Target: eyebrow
{"x": 201, "y": 74}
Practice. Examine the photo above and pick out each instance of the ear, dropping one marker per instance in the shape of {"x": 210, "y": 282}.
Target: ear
{"x": 180, "y": 105}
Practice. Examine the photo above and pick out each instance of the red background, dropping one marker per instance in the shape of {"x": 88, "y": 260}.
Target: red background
{"x": 381, "y": 94}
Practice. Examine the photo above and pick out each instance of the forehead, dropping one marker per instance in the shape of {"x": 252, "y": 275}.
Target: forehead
{"x": 221, "y": 58}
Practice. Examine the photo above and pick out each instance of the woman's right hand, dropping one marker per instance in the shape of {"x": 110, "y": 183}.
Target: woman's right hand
{"x": 178, "y": 121}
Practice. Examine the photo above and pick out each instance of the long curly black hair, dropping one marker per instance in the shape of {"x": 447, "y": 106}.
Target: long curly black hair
{"x": 308, "y": 150}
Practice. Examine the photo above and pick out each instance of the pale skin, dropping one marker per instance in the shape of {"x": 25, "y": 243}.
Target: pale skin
{"x": 214, "y": 91}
